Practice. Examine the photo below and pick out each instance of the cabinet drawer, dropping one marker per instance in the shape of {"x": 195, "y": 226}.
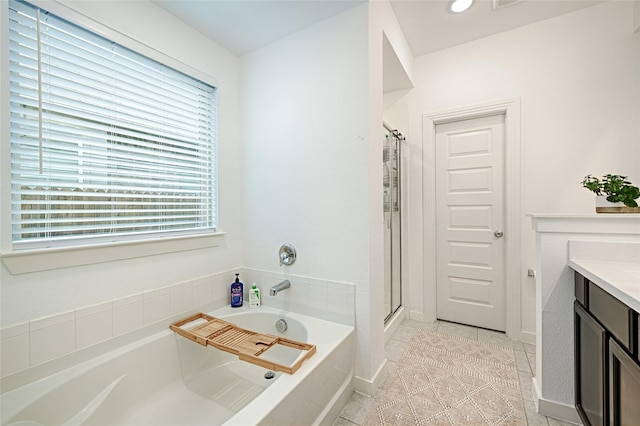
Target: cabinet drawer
{"x": 612, "y": 313}
{"x": 580, "y": 283}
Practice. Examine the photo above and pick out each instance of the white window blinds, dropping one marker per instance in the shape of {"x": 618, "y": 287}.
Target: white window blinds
{"x": 105, "y": 143}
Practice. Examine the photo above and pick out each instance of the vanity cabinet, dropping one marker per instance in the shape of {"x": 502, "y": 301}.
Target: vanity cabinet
{"x": 590, "y": 364}
{"x": 607, "y": 365}
{"x": 624, "y": 387}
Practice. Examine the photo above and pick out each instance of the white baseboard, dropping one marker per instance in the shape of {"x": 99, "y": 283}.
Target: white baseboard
{"x": 417, "y": 316}
{"x": 392, "y": 325}
{"x": 528, "y": 337}
{"x": 369, "y": 387}
{"x": 557, "y": 410}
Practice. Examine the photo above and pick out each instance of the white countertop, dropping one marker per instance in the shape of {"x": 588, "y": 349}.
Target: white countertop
{"x": 620, "y": 279}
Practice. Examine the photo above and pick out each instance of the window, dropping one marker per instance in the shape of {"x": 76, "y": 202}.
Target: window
{"x": 106, "y": 144}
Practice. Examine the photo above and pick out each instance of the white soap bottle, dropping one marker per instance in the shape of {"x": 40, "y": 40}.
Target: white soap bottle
{"x": 254, "y": 296}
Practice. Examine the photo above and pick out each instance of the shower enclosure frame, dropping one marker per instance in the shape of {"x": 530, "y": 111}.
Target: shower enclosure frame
{"x": 393, "y": 262}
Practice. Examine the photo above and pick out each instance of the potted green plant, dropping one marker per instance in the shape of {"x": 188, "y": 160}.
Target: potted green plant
{"x": 619, "y": 193}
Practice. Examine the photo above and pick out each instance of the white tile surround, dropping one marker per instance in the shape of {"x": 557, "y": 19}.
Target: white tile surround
{"x": 40, "y": 340}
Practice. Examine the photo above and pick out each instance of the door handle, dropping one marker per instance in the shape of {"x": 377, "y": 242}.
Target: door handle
{"x": 498, "y": 234}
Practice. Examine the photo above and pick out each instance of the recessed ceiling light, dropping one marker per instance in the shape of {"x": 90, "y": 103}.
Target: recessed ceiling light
{"x": 497, "y": 4}
{"x": 458, "y": 6}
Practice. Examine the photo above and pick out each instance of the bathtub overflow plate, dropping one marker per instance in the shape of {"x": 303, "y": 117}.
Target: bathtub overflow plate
{"x": 281, "y": 326}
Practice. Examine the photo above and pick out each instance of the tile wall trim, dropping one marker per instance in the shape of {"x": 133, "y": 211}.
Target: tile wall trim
{"x": 318, "y": 297}
{"x": 22, "y": 348}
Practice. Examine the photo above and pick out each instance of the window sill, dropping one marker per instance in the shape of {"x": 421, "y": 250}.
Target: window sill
{"x": 58, "y": 258}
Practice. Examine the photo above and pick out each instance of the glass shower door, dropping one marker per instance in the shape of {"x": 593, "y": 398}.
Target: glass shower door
{"x": 392, "y": 222}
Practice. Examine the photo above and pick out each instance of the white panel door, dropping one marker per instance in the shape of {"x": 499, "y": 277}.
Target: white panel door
{"x": 469, "y": 220}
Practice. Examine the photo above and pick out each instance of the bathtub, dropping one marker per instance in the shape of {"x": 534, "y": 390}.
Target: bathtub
{"x": 166, "y": 379}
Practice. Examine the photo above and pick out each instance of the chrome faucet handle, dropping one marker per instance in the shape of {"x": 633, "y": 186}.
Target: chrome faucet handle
{"x": 287, "y": 254}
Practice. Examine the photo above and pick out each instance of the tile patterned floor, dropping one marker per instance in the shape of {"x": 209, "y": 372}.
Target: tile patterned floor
{"x": 360, "y": 409}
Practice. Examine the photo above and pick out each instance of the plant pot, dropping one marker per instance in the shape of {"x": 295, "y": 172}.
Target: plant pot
{"x": 604, "y": 206}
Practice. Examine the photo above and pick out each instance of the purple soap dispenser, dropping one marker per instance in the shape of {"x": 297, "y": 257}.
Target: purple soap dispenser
{"x": 237, "y": 292}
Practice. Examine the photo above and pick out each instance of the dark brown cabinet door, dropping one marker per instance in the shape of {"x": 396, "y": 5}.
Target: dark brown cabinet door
{"x": 624, "y": 387}
{"x": 590, "y": 357}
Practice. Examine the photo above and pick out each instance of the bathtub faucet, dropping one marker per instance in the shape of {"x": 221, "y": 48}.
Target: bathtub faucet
{"x": 279, "y": 287}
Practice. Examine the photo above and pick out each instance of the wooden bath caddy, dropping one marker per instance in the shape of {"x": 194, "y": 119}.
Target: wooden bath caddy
{"x": 247, "y": 344}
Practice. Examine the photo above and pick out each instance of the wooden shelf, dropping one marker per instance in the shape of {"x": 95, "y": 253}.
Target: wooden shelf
{"x": 246, "y": 344}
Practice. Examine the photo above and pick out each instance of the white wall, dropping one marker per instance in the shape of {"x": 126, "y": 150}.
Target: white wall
{"x": 304, "y": 169}
{"x": 33, "y": 295}
{"x": 306, "y": 150}
{"x": 578, "y": 78}
{"x": 312, "y": 108}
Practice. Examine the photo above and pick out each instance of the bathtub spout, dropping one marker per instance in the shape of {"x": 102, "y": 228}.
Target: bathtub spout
{"x": 279, "y": 287}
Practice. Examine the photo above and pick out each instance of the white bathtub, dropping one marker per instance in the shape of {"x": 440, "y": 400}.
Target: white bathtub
{"x": 166, "y": 379}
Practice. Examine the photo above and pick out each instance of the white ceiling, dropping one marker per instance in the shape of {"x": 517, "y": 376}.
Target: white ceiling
{"x": 429, "y": 26}
{"x": 242, "y": 26}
